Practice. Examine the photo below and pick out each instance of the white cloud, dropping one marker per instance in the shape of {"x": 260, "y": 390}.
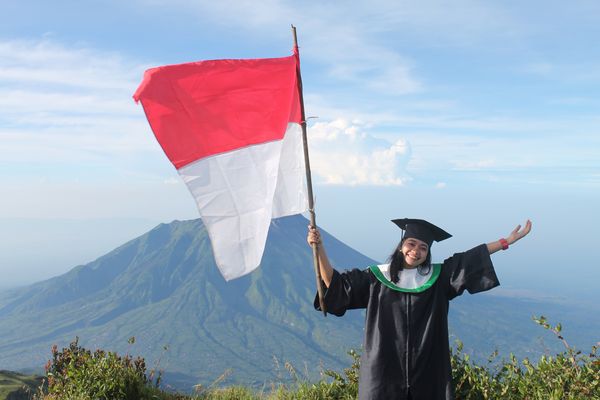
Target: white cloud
{"x": 449, "y": 143}
{"x": 34, "y": 62}
{"x": 341, "y": 153}
{"x": 69, "y": 105}
{"x": 346, "y": 48}
{"x": 545, "y": 158}
{"x": 474, "y": 165}
{"x": 581, "y": 72}
{"x": 353, "y": 56}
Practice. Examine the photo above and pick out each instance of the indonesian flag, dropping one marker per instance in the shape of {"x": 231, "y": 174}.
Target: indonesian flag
{"x": 232, "y": 130}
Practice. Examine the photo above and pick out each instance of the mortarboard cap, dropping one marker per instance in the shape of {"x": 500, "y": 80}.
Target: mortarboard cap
{"x": 422, "y": 230}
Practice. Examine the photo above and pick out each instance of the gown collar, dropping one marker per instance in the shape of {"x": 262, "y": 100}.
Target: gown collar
{"x": 410, "y": 280}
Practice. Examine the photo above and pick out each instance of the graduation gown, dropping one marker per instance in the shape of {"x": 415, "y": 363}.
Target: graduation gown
{"x": 406, "y": 346}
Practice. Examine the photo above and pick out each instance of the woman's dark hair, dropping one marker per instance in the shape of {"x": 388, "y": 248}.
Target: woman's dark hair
{"x": 397, "y": 258}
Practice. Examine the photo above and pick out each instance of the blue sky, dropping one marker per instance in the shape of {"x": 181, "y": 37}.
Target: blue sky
{"x": 475, "y": 115}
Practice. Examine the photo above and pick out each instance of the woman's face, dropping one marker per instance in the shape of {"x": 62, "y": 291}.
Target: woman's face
{"x": 414, "y": 251}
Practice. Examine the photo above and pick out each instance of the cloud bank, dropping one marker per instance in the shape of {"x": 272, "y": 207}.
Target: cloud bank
{"x": 343, "y": 153}
{"x": 67, "y": 104}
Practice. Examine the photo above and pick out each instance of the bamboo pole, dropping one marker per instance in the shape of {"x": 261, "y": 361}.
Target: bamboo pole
{"x": 311, "y": 205}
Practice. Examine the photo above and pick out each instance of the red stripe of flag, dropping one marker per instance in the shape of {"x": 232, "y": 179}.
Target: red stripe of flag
{"x": 210, "y": 107}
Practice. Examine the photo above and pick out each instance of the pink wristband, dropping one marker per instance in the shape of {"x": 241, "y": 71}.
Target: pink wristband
{"x": 504, "y": 243}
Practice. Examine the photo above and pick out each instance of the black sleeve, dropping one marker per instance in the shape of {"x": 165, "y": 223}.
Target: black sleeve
{"x": 348, "y": 290}
{"x": 472, "y": 270}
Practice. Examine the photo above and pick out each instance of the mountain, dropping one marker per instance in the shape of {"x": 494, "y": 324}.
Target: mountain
{"x": 164, "y": 289}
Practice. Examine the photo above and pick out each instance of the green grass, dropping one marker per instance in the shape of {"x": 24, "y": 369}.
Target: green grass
{"x": 11, "y": 382}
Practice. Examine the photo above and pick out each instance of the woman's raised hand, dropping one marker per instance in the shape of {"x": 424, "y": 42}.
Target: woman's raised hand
{"x": 519, "y": 233}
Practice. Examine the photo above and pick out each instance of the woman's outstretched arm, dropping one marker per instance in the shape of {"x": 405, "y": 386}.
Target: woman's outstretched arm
{"x": 515, "y": 235}
{"x": 326, "y": 269}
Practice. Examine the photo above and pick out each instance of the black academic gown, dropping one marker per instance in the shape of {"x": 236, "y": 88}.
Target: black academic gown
{"x": 406, "y": 334}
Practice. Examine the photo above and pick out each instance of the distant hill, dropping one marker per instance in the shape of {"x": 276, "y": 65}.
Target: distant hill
{"x": 164, "y": 288}
{"x": 488, "y": 321}
{"x": 15, "y": 386}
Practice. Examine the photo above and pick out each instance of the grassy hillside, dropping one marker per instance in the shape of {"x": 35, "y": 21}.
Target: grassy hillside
{"x": 12, "y": 385}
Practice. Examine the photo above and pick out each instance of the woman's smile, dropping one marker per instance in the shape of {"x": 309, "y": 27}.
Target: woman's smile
{"x": 415, "y": 252}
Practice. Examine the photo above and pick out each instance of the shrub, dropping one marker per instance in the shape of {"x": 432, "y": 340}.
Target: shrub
{"x": 78, "y": 374}
{"x": 346, "y": 387}
{"x": 568, "y": 375}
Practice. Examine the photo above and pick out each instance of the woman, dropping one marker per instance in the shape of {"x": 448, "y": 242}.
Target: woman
{"x": 406, "y": 353}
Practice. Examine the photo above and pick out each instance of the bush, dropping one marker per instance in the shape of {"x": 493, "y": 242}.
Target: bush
{"x": 78, "y": 374}
{"x": 568, "y": 375}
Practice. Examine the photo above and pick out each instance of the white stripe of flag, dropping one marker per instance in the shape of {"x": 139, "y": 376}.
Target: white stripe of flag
{"x": 232, "y": 129}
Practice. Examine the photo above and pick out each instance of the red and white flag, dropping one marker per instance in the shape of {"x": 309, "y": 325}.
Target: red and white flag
{"x": 232, "y": 130}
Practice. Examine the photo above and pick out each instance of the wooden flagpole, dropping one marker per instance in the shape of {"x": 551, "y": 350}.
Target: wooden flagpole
{"x": 311, "y": 205}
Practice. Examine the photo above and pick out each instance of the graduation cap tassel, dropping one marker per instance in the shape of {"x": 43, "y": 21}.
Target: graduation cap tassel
{"x": 311, "y": 203}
